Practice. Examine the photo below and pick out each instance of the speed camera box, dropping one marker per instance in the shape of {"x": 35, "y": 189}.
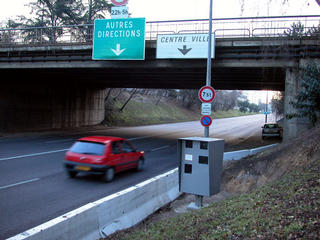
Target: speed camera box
{"x": 200, "y": 166}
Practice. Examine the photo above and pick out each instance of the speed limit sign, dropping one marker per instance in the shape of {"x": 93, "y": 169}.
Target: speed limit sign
{"x": 119, "y": 2}
{"x": 207, "y": 94}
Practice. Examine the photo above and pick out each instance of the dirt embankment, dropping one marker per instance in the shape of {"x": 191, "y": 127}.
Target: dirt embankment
{"x": 249, "y": 173}
{"x": 246, "y": 175}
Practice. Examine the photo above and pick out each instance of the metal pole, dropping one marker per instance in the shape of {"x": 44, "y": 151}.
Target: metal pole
{"x": 208, "y": 80}
{"x": 199, "y": 199}
{"x": 209, "y": 47}
{"x": 266, "y": 117}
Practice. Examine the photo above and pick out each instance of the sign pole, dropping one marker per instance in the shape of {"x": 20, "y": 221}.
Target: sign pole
{"x": 199, "y": 199}
{"x": 266, "y": 113}
{"x": 208, "y": 82}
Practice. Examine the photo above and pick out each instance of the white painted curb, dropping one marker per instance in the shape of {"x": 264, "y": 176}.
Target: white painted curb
{"x": 120, "y": 210}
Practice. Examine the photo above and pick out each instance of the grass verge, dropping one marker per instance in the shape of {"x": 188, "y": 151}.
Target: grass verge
{"x": 288, "y": 208}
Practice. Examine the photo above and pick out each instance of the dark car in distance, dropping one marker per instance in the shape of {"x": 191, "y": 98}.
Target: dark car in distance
{"x": 102, "y": 155}
{"x": 271, "y": 130}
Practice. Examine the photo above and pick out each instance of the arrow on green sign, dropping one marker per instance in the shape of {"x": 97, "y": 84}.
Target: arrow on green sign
{"x": 118, "y": 51}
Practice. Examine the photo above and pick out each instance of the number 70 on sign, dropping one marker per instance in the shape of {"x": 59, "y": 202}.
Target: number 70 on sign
{"x": 207, "y": 94}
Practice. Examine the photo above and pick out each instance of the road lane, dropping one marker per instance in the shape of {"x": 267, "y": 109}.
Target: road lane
{"x": 55, "y": 194}
{"x": 24, "y": 206}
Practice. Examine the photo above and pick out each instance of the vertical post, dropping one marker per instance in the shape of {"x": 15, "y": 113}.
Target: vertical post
{"x": 199, "y": 199}
{"x": 266, "y": 112}
{"x": 208, "y": 80}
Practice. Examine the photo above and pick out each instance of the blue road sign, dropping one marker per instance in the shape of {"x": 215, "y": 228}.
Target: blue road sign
{"x": 206, "y": 121}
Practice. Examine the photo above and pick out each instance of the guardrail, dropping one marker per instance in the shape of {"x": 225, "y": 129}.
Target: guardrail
{"x": 278, "y": 26}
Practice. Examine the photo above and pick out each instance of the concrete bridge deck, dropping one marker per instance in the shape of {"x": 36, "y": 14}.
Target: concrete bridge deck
{"x": 240, "y": 63}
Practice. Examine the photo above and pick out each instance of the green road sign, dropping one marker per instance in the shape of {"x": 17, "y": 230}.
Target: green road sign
{"x": 119, "y": 39}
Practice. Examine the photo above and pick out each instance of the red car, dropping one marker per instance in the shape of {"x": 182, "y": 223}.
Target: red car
{"x": 102, "y": 155}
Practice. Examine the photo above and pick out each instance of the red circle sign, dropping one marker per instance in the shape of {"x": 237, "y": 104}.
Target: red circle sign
{"x": 206, "y": 121}
{"x": 119, "y": 2}
{"x": 207, "y": 94}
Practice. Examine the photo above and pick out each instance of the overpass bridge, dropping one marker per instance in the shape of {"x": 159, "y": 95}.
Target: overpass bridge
{"x": 251, "y": 54}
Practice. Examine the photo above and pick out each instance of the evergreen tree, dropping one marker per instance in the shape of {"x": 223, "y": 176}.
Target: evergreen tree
{"x": 57, "y": 13}
{"x": 277, "y": 104}
{"x": 308, "y": 99}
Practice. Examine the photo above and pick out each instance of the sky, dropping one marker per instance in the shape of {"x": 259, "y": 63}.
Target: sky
{"x": 154, "y": 10}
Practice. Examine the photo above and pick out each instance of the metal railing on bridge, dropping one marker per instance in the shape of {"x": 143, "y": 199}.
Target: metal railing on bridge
{"x": 223, "y": 28}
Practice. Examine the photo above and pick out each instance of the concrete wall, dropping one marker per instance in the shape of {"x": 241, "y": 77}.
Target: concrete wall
{"x": 40, "y": 106}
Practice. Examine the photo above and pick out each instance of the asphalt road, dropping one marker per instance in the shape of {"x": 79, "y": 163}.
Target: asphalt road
{"x": 34, "y": 187}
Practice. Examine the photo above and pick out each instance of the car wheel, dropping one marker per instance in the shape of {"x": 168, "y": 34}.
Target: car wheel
{"x": 140, "y": 165}
{"x": 72, "y": 174}
{"x": 109, "y": 175}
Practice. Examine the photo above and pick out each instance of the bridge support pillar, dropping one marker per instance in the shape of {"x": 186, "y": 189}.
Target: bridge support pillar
{"x": 291, "y": 90}
{"x": 293, "y": 127}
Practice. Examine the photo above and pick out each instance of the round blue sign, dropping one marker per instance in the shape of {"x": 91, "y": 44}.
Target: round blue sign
{"x": 206, "y": 121}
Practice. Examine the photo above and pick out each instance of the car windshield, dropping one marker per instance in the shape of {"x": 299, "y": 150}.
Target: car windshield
{"x": 90, "y": 148}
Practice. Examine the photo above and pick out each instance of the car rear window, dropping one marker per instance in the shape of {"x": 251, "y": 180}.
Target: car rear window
{"x": 271, "y": 126}
{"x": 90, "y": 148}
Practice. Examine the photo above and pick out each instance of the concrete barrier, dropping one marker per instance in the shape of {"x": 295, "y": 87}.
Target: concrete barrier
{"x": 260, "y": 149}
{"x": 120, "y": 210}
{"x": 237, "y": 155}
{"x": 115, "y": 212}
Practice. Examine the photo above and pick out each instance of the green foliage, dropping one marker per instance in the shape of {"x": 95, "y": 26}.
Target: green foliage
{"x": 297, "y": 30}
{"x": 245, "y": 106}
{"x": 308, "y": 100}
{"x": 57, "y": 13}
{"x": 5, "y": 35}
{"x": 67, "y": 12}
{"x": 277, "y": 103}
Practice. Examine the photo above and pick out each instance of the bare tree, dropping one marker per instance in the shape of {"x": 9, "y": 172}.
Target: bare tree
{"x": 121, "y": 90}
{"x": 133, "y": 92}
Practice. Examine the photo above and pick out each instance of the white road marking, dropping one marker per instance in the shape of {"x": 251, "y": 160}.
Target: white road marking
{"x": 20, "y": 183}
{"x": 160, "y": 148}
{"x": 34, "y": 154}
{"x": 131, "y": 139}
{"x": 63, "y": 140}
